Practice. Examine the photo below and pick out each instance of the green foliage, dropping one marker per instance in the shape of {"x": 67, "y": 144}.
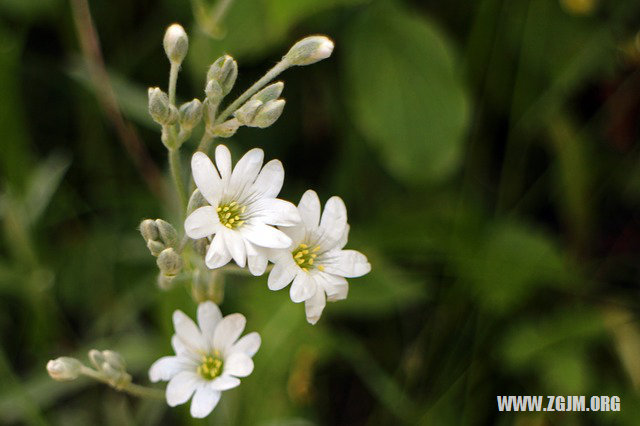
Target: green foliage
{"x": 404, "y": 93}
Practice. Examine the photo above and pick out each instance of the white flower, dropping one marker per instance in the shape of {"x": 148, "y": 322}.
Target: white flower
{"x": 209, "y": 358}
{"x": 315, "y": 261}
{"x": 243, "y": 205}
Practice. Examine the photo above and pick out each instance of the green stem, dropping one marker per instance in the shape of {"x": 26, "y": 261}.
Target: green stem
{"x": 270, "y": 75}
{"x": 205, "y": 142}
{"x": 173, "y": 79}
{"x": 130, "y": 388}
{"x": 176, "y": 174}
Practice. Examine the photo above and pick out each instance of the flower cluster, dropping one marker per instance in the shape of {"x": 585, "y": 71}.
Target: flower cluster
{"x": 234, "y": 214}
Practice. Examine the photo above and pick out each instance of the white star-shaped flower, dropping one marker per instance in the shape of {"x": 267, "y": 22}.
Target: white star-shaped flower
{"x": 243, "y": 209}
{"x": 209, "y": 358}
{"x": 315, "y": 261}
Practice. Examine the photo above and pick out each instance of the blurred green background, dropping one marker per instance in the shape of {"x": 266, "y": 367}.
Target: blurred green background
{"x": 488, "y": 155}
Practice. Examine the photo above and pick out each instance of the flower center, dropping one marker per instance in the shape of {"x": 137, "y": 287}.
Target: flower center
{"x": 231, "y": 214}
{"x": 305, "y": 256}
{"x": 211, "y": 366}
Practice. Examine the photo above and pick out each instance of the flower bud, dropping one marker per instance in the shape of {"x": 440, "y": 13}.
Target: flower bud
{"x": 247, "y": 112}
{"x": 176, "y": 43}
{"x": 117, "y": 378}
{"x": 226, "y": 129}
{"x": 97, "y": 358}
{"x": 224, "y": 71}
{"x": 190, "y": 114}
{"x": 200, "y": 246}
{"x": 165, "y": 282}
{"x": 195, "y": 201}
{"x": 64, "y": 368}
{"x": 169, "y": 262}
{"x": 155, "y": 247}
{"x": 309, "y": 50}
{"x": 114, "y": 359}
{"x": 268, "y": 114}
{"x": 214, "y": 92}
{"x": 168, "y": 234}
{"x": 160, "y": 109}
{"x": 149, "y": 230}
{"x": 269, "y": 93}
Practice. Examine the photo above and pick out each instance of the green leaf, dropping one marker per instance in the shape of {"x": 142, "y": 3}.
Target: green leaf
{"x": 510, "y": 264}
{"x": 404, "y": 93}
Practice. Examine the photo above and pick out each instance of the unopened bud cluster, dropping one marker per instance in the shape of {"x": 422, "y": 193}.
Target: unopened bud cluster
{"x": 112, "y": 367}
{"x": 162, "y": 241}
{"x": 263, "y": 109}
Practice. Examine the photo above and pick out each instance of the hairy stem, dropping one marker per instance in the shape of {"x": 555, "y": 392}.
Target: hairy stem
{"x": 173, "y": 79}
{"x": 176, "y": 174}
{"x": 131, "y": 388}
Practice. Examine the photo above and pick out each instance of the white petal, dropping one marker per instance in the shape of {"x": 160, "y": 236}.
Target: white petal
{"x": 346, "y": 263}
{"x": 202, "y": 222}
{"x": 206, "y": 177}
{"x": 246, "y": 170}
{"x": 269, "y": 181}
{"x": 228, "y": 331}
{"x": 209, "y": 316}
{"x": 296, "y": 233}
{"x": 223, "y": 161}
{"x": 336, "y": 287}
{"x": 204, "y": 401}
{"x": 333, "y": 222}
{"x": 235, "y": 244}
{"x": 256, "y": 258}
{"x": 167, "y": 367}
{"x": 309, "y": 208}
{"x": 345, "y": 237}
{"x": 282, "y": 273}
{"x": 315, "y": 305}
{"x": 217, "y": 255}
{"x": 238, "y": 364}
{"x": 303, "y": 287}
{"x": 188, "y": 332}
{"x": 181, "y": 387}
{"x": 274, "y": 211}
{"x": 225, "y": 382}
{"x": 248, "y": 344}
{"x": 265, "y": 236}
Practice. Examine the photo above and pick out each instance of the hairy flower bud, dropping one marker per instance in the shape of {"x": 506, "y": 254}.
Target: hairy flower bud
{"x": 168, "y": 234}
{"x": 226, "y": 129}
{"x": 309, "y": 50}
{"x": 247, "y": 112}
{"x": 214, "y": 92}
{"x": 64, "y": 368}
{"x": 224, "y": 71}
{"x": 190, "y": 114}
{"x": 268, "y": 114}
{"x": 97, "y": 358}
{"x": 176, "y": 43}
{"x": 169, "y": 262}
{"x": 155, "y": 247}
{"x": 269, "y": 93}
{"x": 160, "y": 109}
{"x": 114, "y": 359}
{"x": 149, "y": 230}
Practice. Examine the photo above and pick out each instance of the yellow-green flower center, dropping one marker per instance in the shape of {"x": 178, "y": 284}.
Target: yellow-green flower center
{"x": 231, "y": 214}
{"x": 305, "y": 256}
{"x": 211, "y": 366}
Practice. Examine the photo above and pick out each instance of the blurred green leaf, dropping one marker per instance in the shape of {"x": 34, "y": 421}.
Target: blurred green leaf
{"x": 510, "y": 264}
{"x": 44, "y": 183}
{"x": 404, "y": 94}
{"x": 387, "y": 288}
